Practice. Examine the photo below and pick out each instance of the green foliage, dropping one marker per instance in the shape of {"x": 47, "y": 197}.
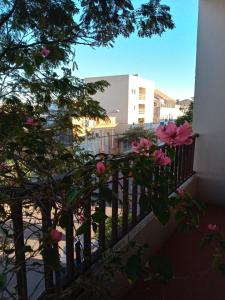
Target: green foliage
{"x": 188, "y": 116}
{"x": 136, "y": 133}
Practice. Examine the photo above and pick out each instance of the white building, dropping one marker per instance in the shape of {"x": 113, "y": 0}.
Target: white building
{"x": 131, "y": 96}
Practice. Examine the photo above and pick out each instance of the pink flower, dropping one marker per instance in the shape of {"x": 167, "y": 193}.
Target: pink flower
{"x": 100, "y": 168}
{"x": 142, "y": 146}
{"x": 180, "y": 192}
{"x": 167, "y": 133}
{"x": 184, "y": 135}
{"x": 175, "y": 136}
{"x": 145, "y": 143}
{"x": 212, "y": 227}
{"x": 30, "y": 122}
{"x": 161, "y": 158}
{"x": 56, "y": 235}
{"x": 135, "y": 146}
{"x": 45, "y": 52}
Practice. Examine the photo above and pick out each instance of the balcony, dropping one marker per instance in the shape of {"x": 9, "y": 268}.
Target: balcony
{"x": 80, "y": 247}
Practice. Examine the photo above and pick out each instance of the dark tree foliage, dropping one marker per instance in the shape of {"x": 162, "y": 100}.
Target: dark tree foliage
{"x": 188, "y": 116}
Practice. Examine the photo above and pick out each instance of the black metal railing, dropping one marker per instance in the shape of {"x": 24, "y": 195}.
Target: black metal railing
{"x": 76, "y": 254}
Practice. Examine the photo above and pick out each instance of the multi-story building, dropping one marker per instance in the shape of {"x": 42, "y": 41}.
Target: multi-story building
{"x": 165, "y": 108}
{"x": 99, "y": 136}
{"x": 131, "y": 96}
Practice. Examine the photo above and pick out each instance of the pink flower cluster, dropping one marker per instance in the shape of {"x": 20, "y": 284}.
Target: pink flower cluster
{"x": 45, "y": 52}
{"x": 212, "y": 227}
{"x": 100, "y": 168}
{"x": 175, "y": 136}
{"x": 31, "y": 122}
{"x": 161, "y": 158}
{"x": 56, "y": 235}
{"x": 143, "y": 146}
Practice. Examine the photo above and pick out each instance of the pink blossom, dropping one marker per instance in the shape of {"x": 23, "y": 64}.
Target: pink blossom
{"x": 45, "y": 52}
{"x": 56, "y": 235}
{"x": 184, "y": 133}
{"x": 212, "y": 227}
{"x": 145, "y": 143}
{"x": 175, "y": 136}
{"x": 135, "y": 146}
{"x": 30, "y": 122}
{"x": 180, "y": 192}
{"x": 167, "y": 133}
{"x": 161, "y": 158}
{"x": 142, "y": 146}
{"x": 100, "y": 168}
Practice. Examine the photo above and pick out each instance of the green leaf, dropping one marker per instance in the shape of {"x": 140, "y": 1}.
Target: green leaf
{"x": 95, "y": 227}
{"x": 133, "y": 267}
{"x": 144, "y": 203}
{"x": 106, "y": 194}
{"x": 222, "y": 244}
{"x": 83, "y": 228}
{"x": 63, "y": 220}
{"x": 162, "y": 267}
{"x": 161, "y": 210}
{"x": 72, "y": 195}
{"x": 99, "y": 216}
{"x": 222, "y": 269}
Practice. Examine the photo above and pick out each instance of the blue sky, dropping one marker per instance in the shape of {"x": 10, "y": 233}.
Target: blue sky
{"x": 169, "y": 60}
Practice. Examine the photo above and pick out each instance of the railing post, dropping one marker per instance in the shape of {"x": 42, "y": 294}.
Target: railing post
{"x": 69, "y": 247}
{"x": 46, "y": 224}
{"x": 134, "y": 202}
{"x": 17, "y": 219}
{"x": 87, "y": 233}
{"x": 125, "y": 203}
{"x": 102, "y": 223}
{"x": 115, "y": 207}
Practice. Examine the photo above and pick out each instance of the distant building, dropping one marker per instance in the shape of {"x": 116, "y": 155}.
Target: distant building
{"x": 99, "y": 136}
{"x": 131, "y": 96}
{"x": 165, "y": 108}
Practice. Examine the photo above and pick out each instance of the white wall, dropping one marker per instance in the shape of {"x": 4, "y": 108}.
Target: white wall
{"x": 133, "y": 114}
{"x": 114, "y": 97}
{"x": 170, "y": 112}
{"x": 209, "y": 105}
{"x": 119, "y": 96}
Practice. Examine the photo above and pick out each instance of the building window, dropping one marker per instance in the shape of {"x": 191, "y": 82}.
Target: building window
{"x": 141, "y": 108}
{"x": 142, "y": 93}
{"x": 141, "y": 121}
{"x": 133, "y": 91}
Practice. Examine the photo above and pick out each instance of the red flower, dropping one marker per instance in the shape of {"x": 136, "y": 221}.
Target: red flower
{"x": 100, "y": 168}
{"x": 56, "y": 235}
{"x": 45, "y": 52}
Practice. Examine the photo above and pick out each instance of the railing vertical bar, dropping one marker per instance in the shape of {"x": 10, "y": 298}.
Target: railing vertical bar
{"x": 125, "y": 203}
{"x": 102, "y": 223}
{"x": 115, "y": 207}
{"x": 78, "y": 254}
{"x": 17, "y": 219}
{"x": 87, "y": 233}
{"x": 180, "y": 159}
{"x": 69, "y": 247}
{"x": 46, "y": 224}
{"x": 134, "y": 202}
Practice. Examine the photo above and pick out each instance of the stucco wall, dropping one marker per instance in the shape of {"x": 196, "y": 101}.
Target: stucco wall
{"x": 209, "y": 106}
{"x": 119, "y": 96}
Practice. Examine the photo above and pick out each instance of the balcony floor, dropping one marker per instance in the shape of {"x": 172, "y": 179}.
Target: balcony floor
{"x": 194, "y": 278}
